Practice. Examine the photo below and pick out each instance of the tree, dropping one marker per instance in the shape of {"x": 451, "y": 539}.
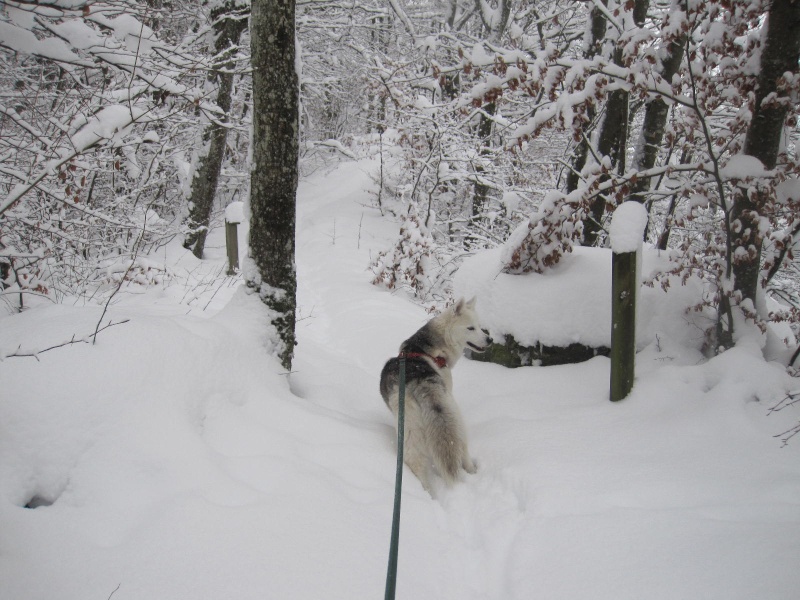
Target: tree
{"x": 95, "y": 109}
{"x": 779, "y": 56}
{"x": 612, "y": 139}
{"x": 273, "y": 183}
{"x": 595, "y": 34}
{"x": 656, "y": 113}
{"x": 229, "y": 20}
{"x": 694, "y": 67}
{"x": 494, "y": 22}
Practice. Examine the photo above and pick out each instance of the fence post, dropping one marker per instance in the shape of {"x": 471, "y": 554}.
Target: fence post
{"x": 234, "y": 214}
{"x": 627, "y": 231}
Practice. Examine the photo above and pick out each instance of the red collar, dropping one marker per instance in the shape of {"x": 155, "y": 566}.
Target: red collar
{"x": 440, "y": 361}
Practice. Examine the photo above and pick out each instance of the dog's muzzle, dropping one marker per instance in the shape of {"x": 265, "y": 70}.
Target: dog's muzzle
{"x": 477, "y": 348}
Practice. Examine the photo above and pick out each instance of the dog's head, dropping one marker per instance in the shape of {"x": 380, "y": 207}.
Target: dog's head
{"x": 466, "y": 329}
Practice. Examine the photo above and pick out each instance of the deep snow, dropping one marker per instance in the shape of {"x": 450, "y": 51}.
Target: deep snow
{"x": 175, "y": 460}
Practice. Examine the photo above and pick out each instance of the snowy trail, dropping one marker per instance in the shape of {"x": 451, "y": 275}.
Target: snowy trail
{"x": 173, "y": 460}
{"x": 352, "y": 329}
{"x": 552, "y": 486}
{"x": 466, "y": 539}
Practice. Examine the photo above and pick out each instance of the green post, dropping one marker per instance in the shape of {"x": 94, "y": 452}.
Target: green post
{"x": 626, "y": 233}
{"x": 623, "y": 322}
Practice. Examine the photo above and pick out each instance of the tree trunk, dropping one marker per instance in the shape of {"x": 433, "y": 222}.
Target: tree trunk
{"x": 494, "y": 22}
{"x": 655, "y": 120}
{"x": 381, "y": 34}
{"x": 274, "y": 176}
{"x": 612, "y": 140}
{"x": 581, "y": 152}
{"x": 480, "y": 194}
{"x": 780, "y": 53}
{"x": 229, "y": 23}
{"x": 494, "y": 19}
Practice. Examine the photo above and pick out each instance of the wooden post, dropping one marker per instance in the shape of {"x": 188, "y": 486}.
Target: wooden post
{"x": 626, "y": 232}
{"x": 234, "y": 214}
{"x": 232, "y": 245}
{"x": 623, "y": 323}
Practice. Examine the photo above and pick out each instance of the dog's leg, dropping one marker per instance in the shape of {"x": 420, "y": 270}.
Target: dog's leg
{"x": 446, "y": 443}
{"x": 467, "y": 462}
{"x": 416, "y": 458}
{"x": 437, "y": 425}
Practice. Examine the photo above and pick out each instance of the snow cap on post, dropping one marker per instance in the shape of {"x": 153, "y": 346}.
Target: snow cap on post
{"x": 234, "y": 212}
{"x": 627, "y": 227}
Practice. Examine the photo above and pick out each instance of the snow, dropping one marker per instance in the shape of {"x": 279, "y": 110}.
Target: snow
{"x": 22, "y": 40}
{"x": 628, "y": 223}
{"x": 175, "y": 459}
{"x": 234, "y": 212}
{"x": 536, "y": 310}
{"x": 788, "y": 191}
{"x": 111, "y": 122}
{"x": 741, "y": 166}
{"x": 480, "y": 56}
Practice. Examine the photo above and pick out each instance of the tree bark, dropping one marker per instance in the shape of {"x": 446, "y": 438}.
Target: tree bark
{"x": 494, "y": 22}
{"x": 655, "y": 120}
{"x": 612, "y": 139}
{"x": 581, "y": 151}
{"x": 611, "y": 142}
{"x": 780, "y": 53}
{"x": 229, "y": 23}
{"x": 274, "y": 176}
{"x": 480, "y": 195}
{"x": 494, "y": 19}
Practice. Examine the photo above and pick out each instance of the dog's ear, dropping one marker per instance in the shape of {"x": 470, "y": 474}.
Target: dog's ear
{"x": 471, "y": 303}
{"x": 459, "y": 307}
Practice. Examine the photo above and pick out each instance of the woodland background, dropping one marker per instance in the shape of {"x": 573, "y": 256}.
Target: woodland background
{"x": 124, "y": 124}
{"x": 152, "y": 444}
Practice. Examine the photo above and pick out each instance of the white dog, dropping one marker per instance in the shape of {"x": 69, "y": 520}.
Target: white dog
{"x": 434, "y": 430}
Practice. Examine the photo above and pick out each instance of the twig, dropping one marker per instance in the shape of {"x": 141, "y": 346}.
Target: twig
{"x": 136, "y": 248}
{"x": 790, "y": 399}
{"x": 84, "y": 340}
{"x": 217, "y": 290}
{"x": 105, "y": 307}
{"x": 788, "y": 434}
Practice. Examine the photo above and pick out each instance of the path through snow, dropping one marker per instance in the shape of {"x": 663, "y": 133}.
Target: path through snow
{"x": 173, "y": 460}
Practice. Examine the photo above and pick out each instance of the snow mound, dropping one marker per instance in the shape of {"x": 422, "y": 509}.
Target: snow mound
{"x": 534, "y": 307}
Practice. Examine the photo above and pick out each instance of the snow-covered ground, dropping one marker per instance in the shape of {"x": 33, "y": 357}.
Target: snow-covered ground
{"x": 175, "y": 460}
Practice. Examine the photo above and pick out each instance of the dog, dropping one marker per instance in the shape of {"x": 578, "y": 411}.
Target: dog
{"x": 435, "y": 437}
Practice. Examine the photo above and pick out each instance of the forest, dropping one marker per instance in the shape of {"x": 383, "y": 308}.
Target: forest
{"x": 126, "y": 124}
{"x": 174, "y": 426}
